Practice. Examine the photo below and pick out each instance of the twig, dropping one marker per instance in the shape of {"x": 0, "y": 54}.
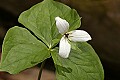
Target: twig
{"x": 41, "y": 68}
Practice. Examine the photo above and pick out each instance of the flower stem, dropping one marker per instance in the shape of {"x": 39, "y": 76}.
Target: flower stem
{"x": 41, "y": 68}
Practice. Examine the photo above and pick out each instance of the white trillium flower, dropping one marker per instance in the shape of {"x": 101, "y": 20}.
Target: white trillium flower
{"x": 75, "y": 35}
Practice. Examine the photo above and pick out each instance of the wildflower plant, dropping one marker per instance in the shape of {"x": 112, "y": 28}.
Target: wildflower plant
{"x": 47, "y": 24}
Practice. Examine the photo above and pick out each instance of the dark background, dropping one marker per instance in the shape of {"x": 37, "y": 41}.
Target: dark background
{"x": 100, "y": 18}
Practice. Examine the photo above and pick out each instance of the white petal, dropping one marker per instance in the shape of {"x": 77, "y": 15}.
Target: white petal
{"x": 64, "y": 47}
{"x": 62, "y": 25}
{"x": 79, "y": 36}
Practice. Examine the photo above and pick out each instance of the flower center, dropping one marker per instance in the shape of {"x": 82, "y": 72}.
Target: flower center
{"x": 66, "y": 35}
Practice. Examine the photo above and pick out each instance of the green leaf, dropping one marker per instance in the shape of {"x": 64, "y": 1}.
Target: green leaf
{"x": 40, "y": 19}
{"x": 21, "y": 50}
{"x": 82, "y": 64}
